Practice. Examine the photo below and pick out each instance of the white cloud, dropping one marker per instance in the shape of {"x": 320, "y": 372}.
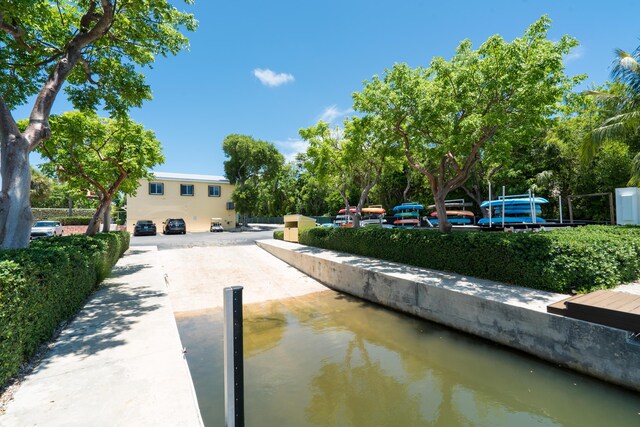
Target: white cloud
{"x": 291, "y": 147}
{"x": 332, "y": 113}
{"x": 575, "y": 54}
{"x": 269, "y": 78}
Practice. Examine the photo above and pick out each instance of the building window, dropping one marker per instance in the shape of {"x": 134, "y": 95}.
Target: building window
{"x": 214, "y": 191}
{"x": 186, "y": 189}
{"x": 156, "y": 188}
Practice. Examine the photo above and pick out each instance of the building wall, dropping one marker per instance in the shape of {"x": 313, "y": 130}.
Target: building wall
{"x": 196, "y": 210}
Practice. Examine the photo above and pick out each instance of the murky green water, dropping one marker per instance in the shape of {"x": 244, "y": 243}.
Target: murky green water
{"x": 331, "y": 360}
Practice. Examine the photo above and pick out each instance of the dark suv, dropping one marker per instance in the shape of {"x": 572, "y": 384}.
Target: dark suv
{"x": 144, "y": 226}
{"x": 174, "y": 225}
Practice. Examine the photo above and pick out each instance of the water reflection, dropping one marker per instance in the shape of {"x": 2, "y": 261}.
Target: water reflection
{"x": 331, "y": 360}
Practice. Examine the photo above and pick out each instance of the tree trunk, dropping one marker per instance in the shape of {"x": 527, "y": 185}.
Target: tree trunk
{"x": 443, "y": 222}
{"x": 15, "y": 209}
{"x": 106, "y": 221}
{"x": 94, "y": 224}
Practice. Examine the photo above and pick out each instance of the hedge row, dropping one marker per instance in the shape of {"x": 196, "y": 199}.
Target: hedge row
{"x": 72, "y": 220}
{"x": 48, "y": 213}
{"x": 46, "y": 284}
{"x": 278, "y": 234}
{"x": 581, "y": 259}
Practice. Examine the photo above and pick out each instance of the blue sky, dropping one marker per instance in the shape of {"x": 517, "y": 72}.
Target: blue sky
{"x": 267, "y": 69}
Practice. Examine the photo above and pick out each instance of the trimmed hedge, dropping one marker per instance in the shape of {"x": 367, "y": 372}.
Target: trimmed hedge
{"x": 49, "y": 213}
{"x": 581, "y": 258}
{"x": 46, "y": 284}
{"x": 278, "y": 234}
{"x": 72, "y": 220}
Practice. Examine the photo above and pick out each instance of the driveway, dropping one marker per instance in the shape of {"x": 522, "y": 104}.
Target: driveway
{"x": 198, "y": 266}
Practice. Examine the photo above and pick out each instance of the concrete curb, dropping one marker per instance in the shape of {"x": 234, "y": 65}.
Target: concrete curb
{"x": 510, "y": 315}
{"x": 118, "y": 363}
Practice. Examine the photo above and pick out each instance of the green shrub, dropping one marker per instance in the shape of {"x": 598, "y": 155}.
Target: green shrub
{"x": 72, "y": 220}
{"x": 278, "y": 234}
{"x": 55, "y": 213}
{"x": 46, "y": 284}
{"x": 581, "y": 258}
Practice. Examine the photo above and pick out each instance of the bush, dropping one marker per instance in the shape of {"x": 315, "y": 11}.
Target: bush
{"x": 51, "y": 213}
{"x": 46, "y": 284}
{"x": 73, "y": 220}
{"x": 581, "y": 258}
{"x": 278, "y": 234}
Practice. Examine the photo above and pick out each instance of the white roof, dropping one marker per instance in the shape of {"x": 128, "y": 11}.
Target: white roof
{"x": 170, "y": 176}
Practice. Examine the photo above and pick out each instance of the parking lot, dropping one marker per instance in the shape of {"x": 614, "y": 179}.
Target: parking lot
{"x": 204, "y": 239}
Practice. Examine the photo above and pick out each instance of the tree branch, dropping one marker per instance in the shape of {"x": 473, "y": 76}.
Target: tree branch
{"x": 16, "y": 32}
{"x": 38, "y": 128}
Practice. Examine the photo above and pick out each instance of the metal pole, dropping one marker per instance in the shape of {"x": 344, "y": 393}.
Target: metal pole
{"x": 533, "y": 208}
{"x": 503, "y": 198}
{"x": 490, "y": 223}
{"x": 233, "y": 361}
{"x": 560, "y": 204}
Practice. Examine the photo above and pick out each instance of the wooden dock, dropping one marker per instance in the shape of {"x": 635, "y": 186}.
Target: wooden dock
{"x": 616, "y": 309}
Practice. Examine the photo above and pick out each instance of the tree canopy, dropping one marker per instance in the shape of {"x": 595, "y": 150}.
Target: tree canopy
{"x": 350, "y": 158}
{"x": 249, "y": 163}
{"x": 481, "y": 101}
{"x": 101, "y": 156}
{"x": 96, "y": 48}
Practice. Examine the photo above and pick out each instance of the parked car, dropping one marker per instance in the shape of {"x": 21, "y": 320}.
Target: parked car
{"x": 216, "y": 225}
{"x": 144, "y": 226}
{"x": 46, "y": 229}
{"x": 174, "y": 226}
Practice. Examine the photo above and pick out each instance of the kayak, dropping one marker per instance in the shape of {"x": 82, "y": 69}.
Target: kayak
{"x": 407, "y": 221}
{"x": 461, "y": 213}
{"x": 510, "y": 220}
{"x": 510, "y": 202}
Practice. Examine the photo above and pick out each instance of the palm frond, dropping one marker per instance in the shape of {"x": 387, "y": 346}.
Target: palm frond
{"x": 626, "y": 69}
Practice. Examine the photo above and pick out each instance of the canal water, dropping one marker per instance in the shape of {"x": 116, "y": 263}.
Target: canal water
{"x": 327, "y": 359}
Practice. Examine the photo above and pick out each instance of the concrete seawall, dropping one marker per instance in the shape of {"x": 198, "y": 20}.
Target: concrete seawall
{"x": 510, "y": 315}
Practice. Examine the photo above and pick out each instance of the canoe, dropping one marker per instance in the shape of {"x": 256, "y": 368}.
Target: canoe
{"x": 509, "y": 202}
{"x": 461, "y": 213}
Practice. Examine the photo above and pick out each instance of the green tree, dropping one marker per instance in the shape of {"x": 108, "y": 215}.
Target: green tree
{"x": 622, "y": 99}
{"x": 565, "y": 171}
{"x": 478, "y": 103}
{"x": 41, "y": 187}
{"x": 249, "y": 163}
{"x": 351, "y": 158}
{"x": 96, "y": 48}
{"x": 100, "y": 156}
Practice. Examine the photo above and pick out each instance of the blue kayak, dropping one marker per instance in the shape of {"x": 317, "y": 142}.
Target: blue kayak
{"x": 452, "y": 221}
{"x": 408, "y": 207}
{"x": 510, "y": 202}
{"x": 511, "y": 220}
{"x": 516, "y": 210}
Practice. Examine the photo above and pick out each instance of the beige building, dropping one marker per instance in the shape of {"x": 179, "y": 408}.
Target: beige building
{"x": 195, "y": 198}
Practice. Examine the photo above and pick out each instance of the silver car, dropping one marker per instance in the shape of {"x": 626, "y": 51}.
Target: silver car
{"x": 46, "y": 229}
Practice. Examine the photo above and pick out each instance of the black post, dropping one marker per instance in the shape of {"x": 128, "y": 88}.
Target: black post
{"x": 233, "y": 360}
